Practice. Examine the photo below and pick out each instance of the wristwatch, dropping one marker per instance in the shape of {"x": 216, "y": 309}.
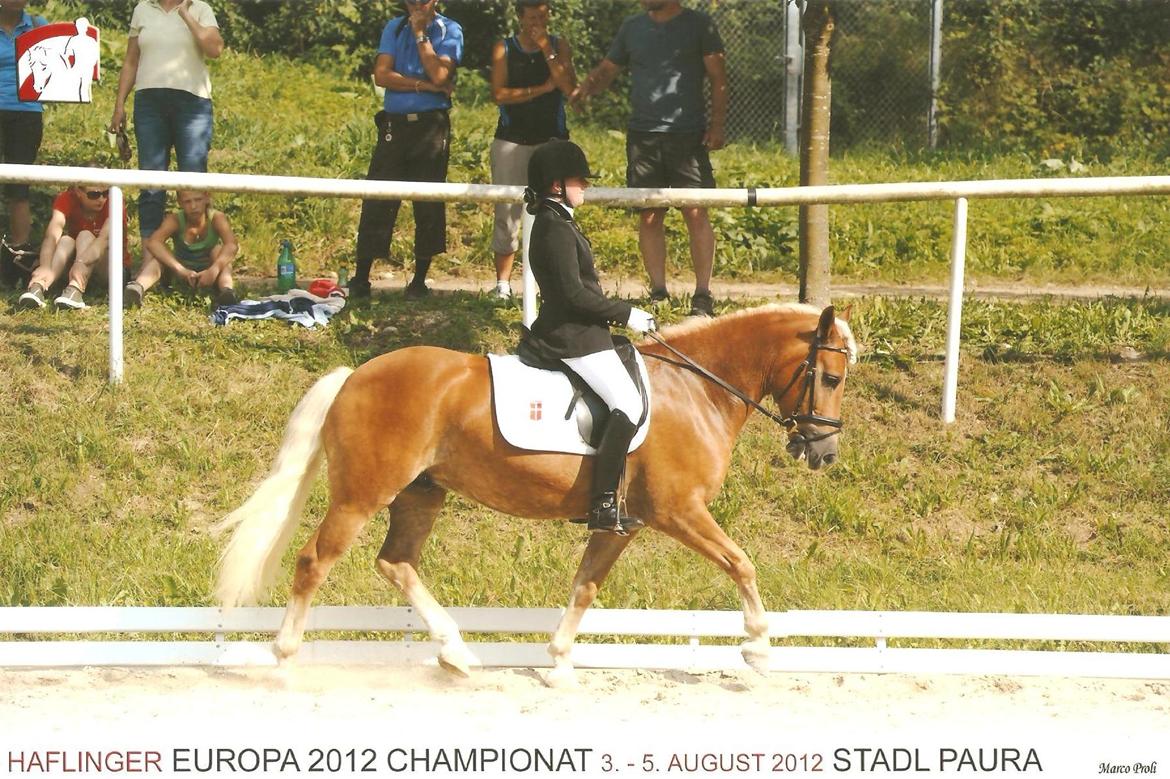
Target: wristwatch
{"x": 420, "y": 37}
{"x": 551, "y": 56}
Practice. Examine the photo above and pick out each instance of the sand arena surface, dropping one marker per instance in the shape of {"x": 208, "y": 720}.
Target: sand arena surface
{"x": 739, "y": 720}
{"x": 44, "y": 699}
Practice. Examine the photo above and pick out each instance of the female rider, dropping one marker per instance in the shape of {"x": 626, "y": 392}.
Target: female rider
{"x": 572, "y": 327}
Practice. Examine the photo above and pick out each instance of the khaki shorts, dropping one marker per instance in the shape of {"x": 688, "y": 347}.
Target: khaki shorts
{"x": 509, "y": 166}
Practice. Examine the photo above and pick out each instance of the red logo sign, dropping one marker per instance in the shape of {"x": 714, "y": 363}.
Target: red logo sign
{"x": 58, "y": 63}
{"x": 534, "y": 411}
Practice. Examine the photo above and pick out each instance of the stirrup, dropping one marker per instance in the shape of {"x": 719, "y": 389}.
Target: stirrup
{"x": 605, "y": 517}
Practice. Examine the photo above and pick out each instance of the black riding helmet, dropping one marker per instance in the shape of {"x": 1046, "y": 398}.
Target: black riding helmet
{"x": 555, "y": 161}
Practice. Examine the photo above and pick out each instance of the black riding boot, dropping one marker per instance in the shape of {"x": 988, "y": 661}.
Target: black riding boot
{"x": 608, "y": 464}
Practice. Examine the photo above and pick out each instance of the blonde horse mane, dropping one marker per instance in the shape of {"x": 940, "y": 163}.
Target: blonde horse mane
{"x": 697, "y": 325}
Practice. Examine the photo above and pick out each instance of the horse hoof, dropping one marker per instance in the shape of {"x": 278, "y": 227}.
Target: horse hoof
{"x": 562, "y": 677}
{"x": 284, "y": 651}
{"x": 457, "y": 659}
{"x": 756, "y": 654}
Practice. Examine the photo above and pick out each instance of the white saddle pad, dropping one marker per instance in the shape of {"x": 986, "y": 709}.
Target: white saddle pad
{"x": 530, "y": 406}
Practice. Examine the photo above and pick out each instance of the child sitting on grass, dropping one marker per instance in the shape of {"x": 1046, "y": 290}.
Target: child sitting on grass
{"x": 204, "y": 247}
{"x": 77, "y": 240}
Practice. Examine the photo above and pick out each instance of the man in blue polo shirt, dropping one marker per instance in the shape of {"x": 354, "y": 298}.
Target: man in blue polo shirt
{"x": 20, "y": 140}
{"x": 416, "y": 66}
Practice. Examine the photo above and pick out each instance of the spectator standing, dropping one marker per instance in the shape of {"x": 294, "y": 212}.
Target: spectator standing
{"x": 532, "y": 73}
{"x": 21, "y": 128}
{"x": 669, "y": 49}
{"x": 79, "y": 233}
{"x": 166, "y": 66}
{"x": 416, "y": 64}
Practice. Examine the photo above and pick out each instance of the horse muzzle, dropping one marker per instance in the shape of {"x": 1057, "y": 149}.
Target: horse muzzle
{"x": 818, "y": 448}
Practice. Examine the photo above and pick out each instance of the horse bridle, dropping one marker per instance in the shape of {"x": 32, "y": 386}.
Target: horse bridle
{"x": 807, "y": 369}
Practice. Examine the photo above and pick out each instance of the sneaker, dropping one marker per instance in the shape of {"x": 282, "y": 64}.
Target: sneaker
{"x": 358, "y": 289}
{"x": 132, "y": 295}
{"x": 34, "y": 298}
{"x": 658, "y": 295}
{"x": 71, "y": 298}
{"x": 226, "y": 297}
{"x": 417, "y": 291}
{"x": 702, "y": 304}
{"x": 503, "y": 290}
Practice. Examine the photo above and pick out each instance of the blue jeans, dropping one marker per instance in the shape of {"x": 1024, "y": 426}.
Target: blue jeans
{"x": 166, "y": 119}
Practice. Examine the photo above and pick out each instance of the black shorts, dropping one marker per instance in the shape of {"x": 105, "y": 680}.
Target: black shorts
{"x": 655, "y": 160}
{"x": 20, "y": 140}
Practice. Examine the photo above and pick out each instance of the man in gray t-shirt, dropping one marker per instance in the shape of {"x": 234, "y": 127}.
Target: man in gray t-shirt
{"x": 669, "y": 49}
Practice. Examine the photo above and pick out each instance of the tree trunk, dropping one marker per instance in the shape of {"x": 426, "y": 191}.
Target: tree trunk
{"x": 814, "y": 152}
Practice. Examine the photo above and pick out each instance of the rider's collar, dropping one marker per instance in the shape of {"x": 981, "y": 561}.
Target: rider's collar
{"x": 560, "y": 205}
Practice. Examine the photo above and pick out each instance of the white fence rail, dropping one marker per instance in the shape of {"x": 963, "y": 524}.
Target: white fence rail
{"x": 25, "y": 627}
{"x": 490, "y": 193}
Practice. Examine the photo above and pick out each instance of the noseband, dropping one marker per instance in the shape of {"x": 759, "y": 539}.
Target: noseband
{"x": 807, "y": 370}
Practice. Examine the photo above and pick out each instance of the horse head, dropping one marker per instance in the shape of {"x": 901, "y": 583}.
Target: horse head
{"x": 808, "y": 389}
{"x": 40, "y": 61}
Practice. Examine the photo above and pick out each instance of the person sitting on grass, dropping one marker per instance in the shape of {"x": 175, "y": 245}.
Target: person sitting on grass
{"x": 204, "y": 248}
{"x": 79, "y": 233}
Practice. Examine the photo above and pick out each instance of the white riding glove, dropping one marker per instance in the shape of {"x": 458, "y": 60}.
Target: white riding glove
{"x": 641, "y": 321}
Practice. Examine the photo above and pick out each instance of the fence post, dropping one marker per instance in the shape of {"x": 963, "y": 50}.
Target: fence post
{"x": 955, "y": 311}
{"x": 114, "y": 271}
{"x": 936, "y": 12}
{"x": 529, "y": 291}
{"x": 793, "y": 69}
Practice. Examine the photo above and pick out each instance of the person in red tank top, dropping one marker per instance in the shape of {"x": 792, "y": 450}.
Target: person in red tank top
{"x": 79, "y": 233}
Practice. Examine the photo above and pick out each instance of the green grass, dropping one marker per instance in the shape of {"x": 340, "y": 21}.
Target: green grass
{"x": 1047, "y": 495}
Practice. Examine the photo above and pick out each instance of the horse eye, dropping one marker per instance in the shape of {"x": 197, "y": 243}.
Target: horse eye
{"x": 831, "y": 381}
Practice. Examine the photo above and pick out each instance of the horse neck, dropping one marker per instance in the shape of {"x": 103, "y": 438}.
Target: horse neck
{"x": 745, "y": 351}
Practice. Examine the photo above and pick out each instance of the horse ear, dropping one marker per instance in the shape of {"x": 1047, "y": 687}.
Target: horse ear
{"x": 828, "y": 316}
{"x": 844, "y": 315}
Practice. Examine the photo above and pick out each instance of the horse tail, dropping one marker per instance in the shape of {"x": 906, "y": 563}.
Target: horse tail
{"x": 265, "y": 524}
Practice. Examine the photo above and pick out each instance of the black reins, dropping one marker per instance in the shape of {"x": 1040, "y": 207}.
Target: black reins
{"x": 807, "y": 369}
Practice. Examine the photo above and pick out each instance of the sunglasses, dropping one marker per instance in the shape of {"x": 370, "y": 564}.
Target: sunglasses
{"x": 98, "y": 195}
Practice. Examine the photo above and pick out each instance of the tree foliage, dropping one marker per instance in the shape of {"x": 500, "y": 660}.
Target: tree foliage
{"x": 1083, "y": 77}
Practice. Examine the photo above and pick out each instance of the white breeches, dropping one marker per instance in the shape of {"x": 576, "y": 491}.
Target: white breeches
{"x": 605, "y": 375}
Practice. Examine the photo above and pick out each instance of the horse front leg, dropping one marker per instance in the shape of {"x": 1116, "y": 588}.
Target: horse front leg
{"x": 698, "y": 530}
{"x": 601, "y": 553}
{"x": 412, "y": 516}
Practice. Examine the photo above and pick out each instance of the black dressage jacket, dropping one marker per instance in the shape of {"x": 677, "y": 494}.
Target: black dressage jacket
{"x": 575, "y": 314}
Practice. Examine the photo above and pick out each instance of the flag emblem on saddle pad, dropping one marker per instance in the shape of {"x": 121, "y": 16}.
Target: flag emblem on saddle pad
{"x": 535, "y": 411}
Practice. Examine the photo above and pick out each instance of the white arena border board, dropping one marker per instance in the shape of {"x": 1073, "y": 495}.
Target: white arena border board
{"x": 33, "y": 638}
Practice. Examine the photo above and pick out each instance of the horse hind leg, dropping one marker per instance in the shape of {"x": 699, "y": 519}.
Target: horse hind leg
{"x": 412, "y": 516}
{"x": 336, "y": 534}
{"x": 601, "y": 553}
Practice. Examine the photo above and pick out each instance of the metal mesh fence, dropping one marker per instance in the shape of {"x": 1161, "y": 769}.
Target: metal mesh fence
{"x": 881, "y": 72}
{"x": 753, "y": 33}
{"x": 880, "y": 69}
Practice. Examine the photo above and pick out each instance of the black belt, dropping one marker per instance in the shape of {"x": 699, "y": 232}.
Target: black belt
{"x": 416, "y": 116}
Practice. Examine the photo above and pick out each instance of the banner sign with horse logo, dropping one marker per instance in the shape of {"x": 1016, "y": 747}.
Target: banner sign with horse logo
{"x": 58, "y": 63}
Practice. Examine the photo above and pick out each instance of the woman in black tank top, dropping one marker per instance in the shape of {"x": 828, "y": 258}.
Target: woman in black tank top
{"x": 532, "y": 73}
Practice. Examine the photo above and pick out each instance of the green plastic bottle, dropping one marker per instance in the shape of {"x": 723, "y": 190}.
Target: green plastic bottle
{"x": 286, "y": 268}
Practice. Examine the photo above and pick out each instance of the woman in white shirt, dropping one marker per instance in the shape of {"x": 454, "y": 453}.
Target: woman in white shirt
{"x": 165, "y": 65}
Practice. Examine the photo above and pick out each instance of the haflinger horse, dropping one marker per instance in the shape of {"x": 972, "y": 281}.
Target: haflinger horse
{"x": 411, "y": 425}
